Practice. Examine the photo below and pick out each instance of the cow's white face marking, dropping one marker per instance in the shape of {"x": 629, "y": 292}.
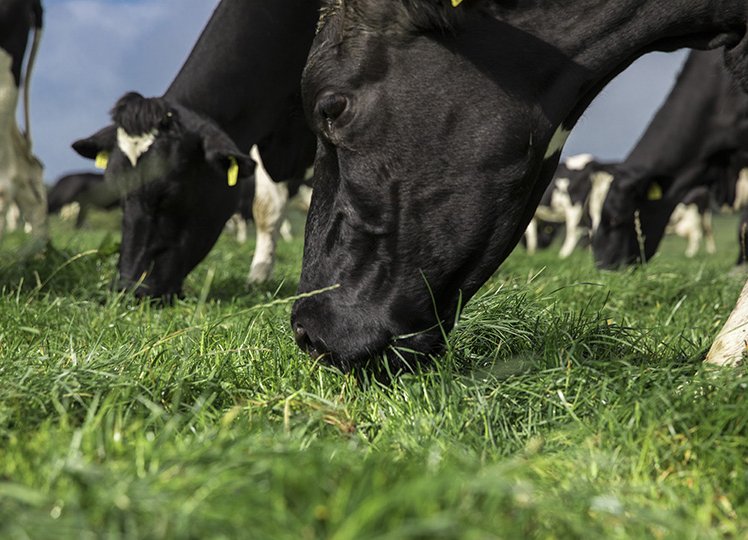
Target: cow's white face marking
{"x": 578, "y": 162}
{"x": 557, "y": 141}
{"x": 134, "y": 146}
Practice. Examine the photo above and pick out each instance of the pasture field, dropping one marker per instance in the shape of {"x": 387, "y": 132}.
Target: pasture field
{"x": 570, "y": 404}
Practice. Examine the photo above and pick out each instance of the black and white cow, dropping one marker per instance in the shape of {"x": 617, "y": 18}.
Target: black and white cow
{"x": 21, "y": 173}
{"x": 170, "y": 158}
{"x": 403, "y": 95}
{"x": 574, "y": 198}
{"x": 699, "y": 136}
{"x": 692, "y": 220}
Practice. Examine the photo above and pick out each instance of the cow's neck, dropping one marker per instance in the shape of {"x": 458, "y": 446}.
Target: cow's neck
{"x": 247, "y": 48}
{"x": 601, "y": 38}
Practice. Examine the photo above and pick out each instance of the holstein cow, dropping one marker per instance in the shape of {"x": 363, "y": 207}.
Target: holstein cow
{"x": 21, "y": 173}
{"x": 692, "y": 219}
{"x": 78, "y": 189}
{"x": 404, "y": 95}
{"x": 169, "y": 157}
{"x": 574, "y": 198}
{"x": 695, "y": 138}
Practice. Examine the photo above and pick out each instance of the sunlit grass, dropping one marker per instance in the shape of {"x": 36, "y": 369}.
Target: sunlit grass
{"x": 570, "y": 404}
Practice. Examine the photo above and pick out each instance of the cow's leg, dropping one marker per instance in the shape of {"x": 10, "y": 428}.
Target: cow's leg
{"x": 241, "y": 229}
{"x": 6, "y": 200}
{"x": 12, "y": 218}
{"x": 237, "y": 226}
{"x": 741, "y": 191}
{"x": 31, "y": 197}
{"x": 706, "y": 225}
{"x": 269, "y": 208}
{"x": 689, "y": 226}
{"x": 285, "y": 230}
{"x": 531, "y": 236}
{"x": 730, "y": 346}
{"x": 573, "y": 229}
{"x": 80, "y": 219}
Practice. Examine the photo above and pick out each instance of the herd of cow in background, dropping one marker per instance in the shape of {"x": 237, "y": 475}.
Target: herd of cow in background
{"x": 180, "y": 165}
{"x": 691, "y": 161}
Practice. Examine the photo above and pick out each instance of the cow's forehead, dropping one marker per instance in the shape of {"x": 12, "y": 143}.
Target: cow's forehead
{"x": 393, "y": 16}
{"x": 327, "y": 10}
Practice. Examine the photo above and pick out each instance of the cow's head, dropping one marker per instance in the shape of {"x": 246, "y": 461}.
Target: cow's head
{"x": 171, "y": 167}
{"x": 429, "y": 148}
{"x": 633, "y": 218}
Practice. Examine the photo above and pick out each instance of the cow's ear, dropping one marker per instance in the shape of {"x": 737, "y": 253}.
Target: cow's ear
{"x": 222, "y": 153}
{"x": 236, "y": 165}
{"x": 94, "y": 146}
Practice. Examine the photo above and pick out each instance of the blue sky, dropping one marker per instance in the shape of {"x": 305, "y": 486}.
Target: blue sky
{"x": 93, "y": 51}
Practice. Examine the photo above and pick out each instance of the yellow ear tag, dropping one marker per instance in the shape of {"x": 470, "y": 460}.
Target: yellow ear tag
{"x": 456, "y": 3}
{"x": 655, "y": 192}
{"x": 102, "y": 159}
{"x": 233, "y": 171}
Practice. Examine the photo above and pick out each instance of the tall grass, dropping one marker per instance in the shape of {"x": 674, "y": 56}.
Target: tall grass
{"x": 569, "y": 404}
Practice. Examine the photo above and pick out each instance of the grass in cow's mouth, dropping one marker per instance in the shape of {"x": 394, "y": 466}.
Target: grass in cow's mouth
{"x": 569, "y": 404}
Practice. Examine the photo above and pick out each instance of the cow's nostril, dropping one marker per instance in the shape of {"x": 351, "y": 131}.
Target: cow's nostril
{"x": 304, "y": 341}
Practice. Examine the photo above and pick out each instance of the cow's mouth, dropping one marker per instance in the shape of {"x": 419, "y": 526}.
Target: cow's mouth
{"x": 400, "y": 353}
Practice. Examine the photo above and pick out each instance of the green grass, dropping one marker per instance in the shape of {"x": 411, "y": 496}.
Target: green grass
{"x": 570, "y": 404}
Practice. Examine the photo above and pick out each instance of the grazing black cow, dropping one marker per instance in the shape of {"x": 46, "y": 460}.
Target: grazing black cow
{"x": 81, "y": 189}
{"x": 695, "y": 138}
{"x": 170, "y": 156}
{"x": 439, "y": 129}
{"x": 21, "y": 173}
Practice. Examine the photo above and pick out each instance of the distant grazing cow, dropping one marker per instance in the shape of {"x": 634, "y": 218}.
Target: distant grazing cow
{"x": 21, "y": 173}
{"x": 573, "y": 198}
{"x": 697, "y": 137}
{"x": 404, "y": 95}
{"x": 171, "y": 159}
{"x": 81, "y": 189}
{"x": 692, "y": 219}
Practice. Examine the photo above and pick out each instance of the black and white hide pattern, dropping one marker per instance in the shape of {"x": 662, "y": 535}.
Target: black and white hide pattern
{"x": 21, "y": 172}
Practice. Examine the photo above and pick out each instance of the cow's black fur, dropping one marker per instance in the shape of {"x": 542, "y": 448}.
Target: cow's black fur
{"x": 692, "y": 140}
{"x": 242, "y": 76}
{"x": 433, "y": 149}
{"x": 17, "y": 17}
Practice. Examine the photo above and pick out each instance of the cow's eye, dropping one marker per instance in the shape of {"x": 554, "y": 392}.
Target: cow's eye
{"x": 329, "y": 108}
